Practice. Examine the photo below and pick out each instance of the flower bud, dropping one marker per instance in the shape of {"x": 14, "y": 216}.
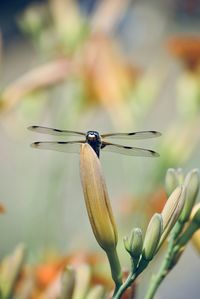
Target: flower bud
{"x": 170, "y": 206}
{"x": 171, "y": 181}
{"x": 96, "y": 199}
{"x": 180, "y": 176}
{"x": 99, "y": 208}
{"x": 192, "y": 189}
{"x": 152, "y": 237}
{"x": 172, "y": 211}
{"x": 133, "y": 243}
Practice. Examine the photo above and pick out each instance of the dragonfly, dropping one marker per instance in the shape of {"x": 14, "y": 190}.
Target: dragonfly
{"x": 95, "y": 140}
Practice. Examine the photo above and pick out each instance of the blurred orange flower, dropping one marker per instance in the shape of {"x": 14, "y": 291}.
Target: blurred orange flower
{"x": 107, "y": 77}
{"x": 81, "y": 49}
{"x": 187, "y": 49}
{"x": 44, "y": 280}
{"x": 2, "y": 209}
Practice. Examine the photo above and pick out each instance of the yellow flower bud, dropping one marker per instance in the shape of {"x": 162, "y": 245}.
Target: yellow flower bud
{"x": 96, "y": 199}
{"x": 99, "y": 208}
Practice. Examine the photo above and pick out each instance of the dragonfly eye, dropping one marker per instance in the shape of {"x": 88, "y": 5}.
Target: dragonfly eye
{"x": 92, "y": 136}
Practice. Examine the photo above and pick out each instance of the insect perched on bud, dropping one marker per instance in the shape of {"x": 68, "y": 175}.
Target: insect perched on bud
{"x": 99, "y": 208}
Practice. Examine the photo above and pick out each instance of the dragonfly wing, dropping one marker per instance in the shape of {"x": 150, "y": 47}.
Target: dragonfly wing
{"x": 128, "y": 150}
{"x": 60, "y": 146}
{"x": 133, "y": 135}
{"x": 56, "y": 132}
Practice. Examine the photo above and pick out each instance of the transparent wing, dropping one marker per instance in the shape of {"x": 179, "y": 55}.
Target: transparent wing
{"x": 60, "y": 146}
{"x": 133, "y": 135}
{"x": 56, "y": 132}
{"x": 128, "y": 150}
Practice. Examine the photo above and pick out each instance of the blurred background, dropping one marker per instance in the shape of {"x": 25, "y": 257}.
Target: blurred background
{"x": 110, "y": 66}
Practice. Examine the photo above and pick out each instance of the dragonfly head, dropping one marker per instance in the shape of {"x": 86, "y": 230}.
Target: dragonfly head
{"x": 93, "y": 136}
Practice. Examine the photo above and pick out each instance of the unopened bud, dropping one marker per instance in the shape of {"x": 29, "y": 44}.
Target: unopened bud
{"x": 96, "y": 199}
{"x": 152, "y": 237}
{"x": 99, "y": 208}
{"x": 171, "y": 206}
{"x": 133, "y": 243}
{"x": 171, "y": 181}
{"x": 192, "y": 189}
{"x": 172, "y": 211}
{"x": 180, "y": 176}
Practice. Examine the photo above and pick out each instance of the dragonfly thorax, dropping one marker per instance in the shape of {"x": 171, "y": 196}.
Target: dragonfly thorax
{"x": 94, "y": 140}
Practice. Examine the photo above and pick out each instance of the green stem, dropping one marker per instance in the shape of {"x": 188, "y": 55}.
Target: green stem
{"x": 118, "y": 292}
{"x": 167, "y": 263}
{"x": 157, "y": 279}
{"x": 115, "y": 267}
{"x": 130, "y": 279}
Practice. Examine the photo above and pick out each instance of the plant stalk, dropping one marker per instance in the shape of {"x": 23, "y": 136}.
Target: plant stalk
{"x": 115, "y": 267}
{"x": 167, "y": 263}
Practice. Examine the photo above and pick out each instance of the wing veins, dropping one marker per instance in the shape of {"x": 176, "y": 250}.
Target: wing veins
{"x": 60, "y": 146}
{"x": 133, "y": 135}
{"x": 128, "y": 150}
{"x": 56, "y": 132}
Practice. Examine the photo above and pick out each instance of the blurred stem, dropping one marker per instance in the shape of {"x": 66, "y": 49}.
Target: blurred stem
{"x": 157, "y": 279}
{"x": 168, "y": 262}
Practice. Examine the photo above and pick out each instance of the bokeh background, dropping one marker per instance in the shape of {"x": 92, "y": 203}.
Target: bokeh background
{"x": 104, "y": 65}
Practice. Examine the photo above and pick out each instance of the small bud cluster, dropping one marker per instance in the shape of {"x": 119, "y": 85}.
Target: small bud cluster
{"x": 174, "y": 221}
{"x": 160, "y": 225}
{"x": 182, "y": 192}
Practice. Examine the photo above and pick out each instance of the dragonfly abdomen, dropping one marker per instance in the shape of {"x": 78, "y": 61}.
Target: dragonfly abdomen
{"x": 96, "y": 145}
